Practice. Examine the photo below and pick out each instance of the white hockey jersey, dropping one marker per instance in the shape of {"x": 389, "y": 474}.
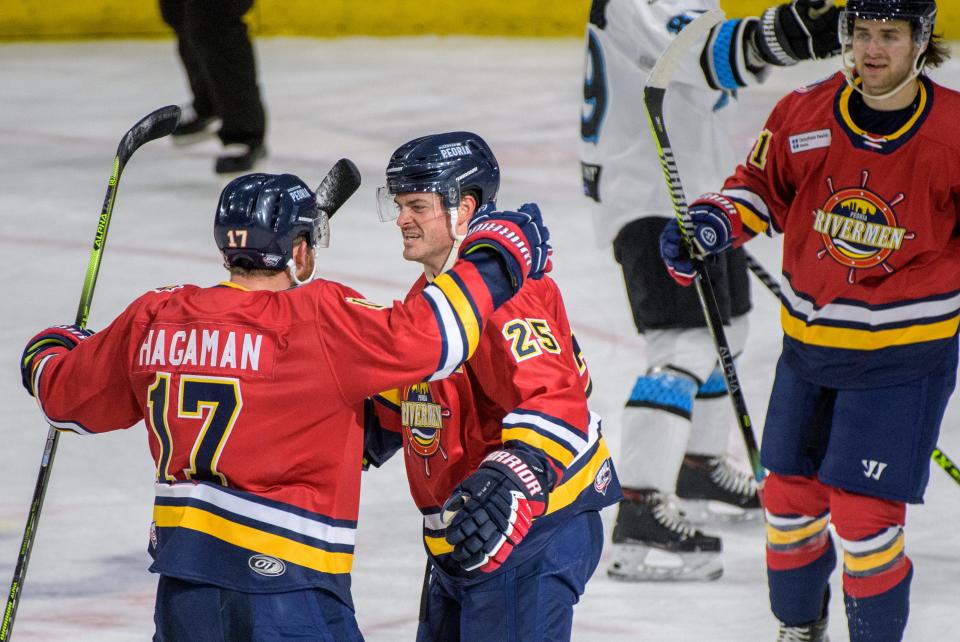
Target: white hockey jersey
{"x": 621, "y": 169}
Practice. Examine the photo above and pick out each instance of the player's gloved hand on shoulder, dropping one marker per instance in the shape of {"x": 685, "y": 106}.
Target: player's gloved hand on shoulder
{"x": 490, "y": 512}
{"x": 712, "y": 225}
{"x": 798, "y": 30}
{"x": 518, "y": 238}
{"x": 59, "y": 338}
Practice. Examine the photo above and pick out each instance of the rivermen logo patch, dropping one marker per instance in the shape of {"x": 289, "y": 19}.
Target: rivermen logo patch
{"x": 422, "y": 421}
{"x": 859, "y": 228}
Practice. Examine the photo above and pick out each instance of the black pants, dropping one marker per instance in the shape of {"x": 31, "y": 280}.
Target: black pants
{"x": 218, "y": 57}
{"x": 656, "y": 300}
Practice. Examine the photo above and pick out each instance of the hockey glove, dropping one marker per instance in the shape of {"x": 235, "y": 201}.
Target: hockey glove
{"x": 54, "y": 340}
{"x": 712, "y": 225}
{"x": 798, "y": 30}
{"x": 490, "y": 512}
{"x": 518, "y": 238}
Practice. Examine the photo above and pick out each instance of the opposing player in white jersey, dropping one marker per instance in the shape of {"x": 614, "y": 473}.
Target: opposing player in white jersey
{"x": 676, "y": 422}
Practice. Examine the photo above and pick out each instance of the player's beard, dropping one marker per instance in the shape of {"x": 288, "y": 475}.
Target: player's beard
{"x": 885, "y": 80}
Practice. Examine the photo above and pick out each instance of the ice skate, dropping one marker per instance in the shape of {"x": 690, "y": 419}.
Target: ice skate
{"x": 813, "y": 632}
{"x": 710, "y": 489}
{"x": 653, "y": 542}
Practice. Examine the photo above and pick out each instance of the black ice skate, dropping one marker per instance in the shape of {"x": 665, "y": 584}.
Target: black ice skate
{"x": 239, "y": 157}
{"x": 192, "y": 129}
{"x": 813, "y": 632}
{"x": 653, "y": 542}
{"x": 710, "y": 489}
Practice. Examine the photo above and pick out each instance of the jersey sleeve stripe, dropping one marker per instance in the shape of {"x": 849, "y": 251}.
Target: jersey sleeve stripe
{"x": 458, "y": 294}
{"x": 389, "y": 399}
{"x": 560, "y": 430}
{"x": 454, "y": 350}
{"x": 553, "y": 447}
{"x": 572, "y": 486}
{"x": 59, "y": 424}
{"x": 753, "y": 211}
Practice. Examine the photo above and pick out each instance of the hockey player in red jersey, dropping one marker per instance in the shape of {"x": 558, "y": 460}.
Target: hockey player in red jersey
{"x": 504, "y": 458}
{"x": 859, "y": 174}
{"x": 252, "y": 392}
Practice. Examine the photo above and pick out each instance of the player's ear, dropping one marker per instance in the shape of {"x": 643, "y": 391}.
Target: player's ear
{"x": 466, "y": 210}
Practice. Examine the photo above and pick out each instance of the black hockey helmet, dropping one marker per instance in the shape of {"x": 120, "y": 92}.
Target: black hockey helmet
{"x": 449, "y": 164}
{"x": 260, "y": 215}
{"x": 921, "y": 14}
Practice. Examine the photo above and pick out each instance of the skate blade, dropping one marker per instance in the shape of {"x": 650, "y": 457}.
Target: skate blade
{"x": 705, "y": 511}
{"x": 637, "y": 563}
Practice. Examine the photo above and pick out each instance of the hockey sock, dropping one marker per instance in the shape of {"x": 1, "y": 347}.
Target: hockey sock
{"x": 876, "y": 571}
{"x": 800, "y": 552}
{"x": 656, "y": 427}
{"x": 710, "y": 431}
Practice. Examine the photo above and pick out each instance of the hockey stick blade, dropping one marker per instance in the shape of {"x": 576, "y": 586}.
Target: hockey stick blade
{"x": 680, "y": 46}
{"x": 337, "y": 186}
{"x": 156, "y": 124}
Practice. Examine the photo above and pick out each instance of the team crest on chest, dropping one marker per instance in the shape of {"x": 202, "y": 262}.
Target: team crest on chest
{"x": 859, "y": 228}
{"x": 422, "y": 420}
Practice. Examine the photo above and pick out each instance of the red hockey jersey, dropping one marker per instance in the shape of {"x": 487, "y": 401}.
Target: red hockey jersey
{"x": 253, "y": 405}
{"x": 525, "y": 387}
{"x": 871, "y": 225}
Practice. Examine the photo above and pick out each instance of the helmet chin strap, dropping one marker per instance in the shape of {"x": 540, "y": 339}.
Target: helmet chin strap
{"x": 454, "y": 250}
{"x": 849, "y": 73}
{"x": 292, "y": 267}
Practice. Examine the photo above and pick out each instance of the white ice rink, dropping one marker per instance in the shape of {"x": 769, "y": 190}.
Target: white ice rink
{"x": 63, "y": 108}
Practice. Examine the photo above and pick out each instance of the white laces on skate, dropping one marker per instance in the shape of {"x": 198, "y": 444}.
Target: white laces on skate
{"x": 801, "y": 634}
{"x": 666, "y": 512}
{"x": 731, "y": 479}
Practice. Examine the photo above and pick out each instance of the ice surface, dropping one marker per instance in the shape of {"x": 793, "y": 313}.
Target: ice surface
{"x": 64, "y": 107}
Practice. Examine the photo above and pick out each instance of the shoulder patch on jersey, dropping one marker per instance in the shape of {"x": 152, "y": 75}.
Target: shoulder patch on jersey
{"x": 810, "y": 140}
{"x": 364, "y": 303}
{"x": 758, "y": 155}
{"x": 167, "y": 288}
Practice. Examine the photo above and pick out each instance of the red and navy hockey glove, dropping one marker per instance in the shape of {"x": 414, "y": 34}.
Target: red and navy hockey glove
{"x": 54, "y": 340}
{"x": 490, "y": 512}
{"x": 712, "y": 225}
{"x": 519, "y": 238}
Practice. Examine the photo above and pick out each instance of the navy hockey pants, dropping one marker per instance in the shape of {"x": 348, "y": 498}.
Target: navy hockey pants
{"x": 528, "y": 603}
{"x": 205, "y": 613}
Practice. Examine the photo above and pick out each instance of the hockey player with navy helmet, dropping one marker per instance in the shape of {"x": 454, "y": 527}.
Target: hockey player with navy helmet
{"x": 504, "y": 458}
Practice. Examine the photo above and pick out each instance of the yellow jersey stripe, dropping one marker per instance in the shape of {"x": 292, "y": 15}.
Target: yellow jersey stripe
{"x": 852, "y": 339}
{"x": 568, "y": 491}
{"x": 537, "y": 440}
{"x": 777, "y": 536}
{"x": 876, "y": 560}
{"x": 392, "y": 396}
{"x": 756, "y": 224}
{"x": 461, "y": 305}
{"x": 252, "y": 539}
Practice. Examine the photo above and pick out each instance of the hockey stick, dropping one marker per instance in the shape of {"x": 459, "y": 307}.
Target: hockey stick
{"x": 154, "y": 125}
{"x": 767, "y": 279}
{"x": 337, "y": 186}
{"x": 654, "y": 92}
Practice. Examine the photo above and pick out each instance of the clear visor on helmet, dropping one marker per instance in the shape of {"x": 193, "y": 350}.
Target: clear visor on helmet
{"x": 423, "y": 201}
{"x": 921, "y": 25}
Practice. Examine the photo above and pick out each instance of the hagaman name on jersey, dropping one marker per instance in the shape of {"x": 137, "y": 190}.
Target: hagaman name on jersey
{"x": 207, "y": 348}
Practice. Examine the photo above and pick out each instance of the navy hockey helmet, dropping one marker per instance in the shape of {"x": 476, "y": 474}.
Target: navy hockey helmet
{"x": 260, "y": 215}
{"x": 449, "y": 164}
{"x": 921, "y": 14}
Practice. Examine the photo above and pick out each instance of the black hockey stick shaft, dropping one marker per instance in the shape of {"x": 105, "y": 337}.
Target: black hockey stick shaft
{"x": 155, "y": 125}
{"x": 653, "y": 97}
{"x": 767, "y": 279}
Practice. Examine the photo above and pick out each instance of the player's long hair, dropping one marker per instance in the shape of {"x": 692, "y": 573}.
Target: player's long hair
{"x": 937, "y": 52}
